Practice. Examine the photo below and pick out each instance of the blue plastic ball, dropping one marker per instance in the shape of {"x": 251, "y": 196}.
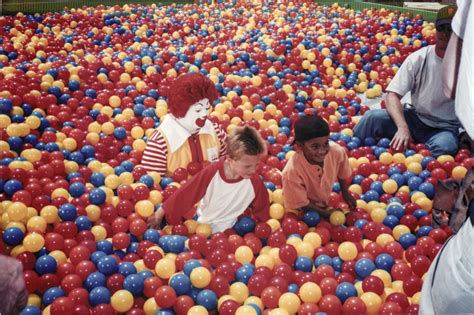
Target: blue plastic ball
{"x": 244, "y": 273}
{"x": 311, "y": 218}
{"x": 45, "y": 264}
{"x": 12, "y": 186}
{"x": 207, "y": 298}
{"x": 97, "y": 196}
{"x": 323, "y": 260}
{"x": 99, "y": 295}
{"x": 407, "y": 240}
{"x": 52, "y": 294}
{"x": 345, "y": 290}
{"x": 31, "y": 310}
{"x": 127, "y": 268}
{"x": 134, "y": 284}
{"x": 303, "y": 263}
{"x": 385, "y": 262}
{"x": 180, "y": 283}
{"x": 107, "y": 265}
{"x": 94, "y": 280}
{"x": 364, "y": 267}
{"x": 67, "y": 212}
{"x": 13, "y": 236}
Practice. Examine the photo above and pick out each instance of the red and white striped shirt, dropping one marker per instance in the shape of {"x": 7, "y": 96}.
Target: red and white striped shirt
{"x": 171, "y": 146}
{"x": 221, "y": 200}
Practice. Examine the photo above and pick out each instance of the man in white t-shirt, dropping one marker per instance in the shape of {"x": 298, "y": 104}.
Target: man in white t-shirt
{"x": 448, "y": 286}
{"x": 431, "y": 118}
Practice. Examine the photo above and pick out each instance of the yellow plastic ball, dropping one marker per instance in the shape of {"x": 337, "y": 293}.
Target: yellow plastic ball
{"x": 279, "y": 311}
{"x": 50, "y": 214}
{"x": 459, "y": 172}
{"x": 254, "y": 300}
{"x": 245, "y": 310}
{"x": 239, "y": 291}
{"x": 100, "y": 233}
{"x": 384, "y": 239}
{"x": 122, "y": 301}
{"x": 150, "y": 307}
{"x": 36, "y": 224}
{"x": 347, "y": 251}
{"x": 165, "y": 268}
{"x": 204, "y": 230}
{"x": 313, "y": 238}
{"x": 200, "y": 277}
{"x": 59, "y": 256}
{"x": 243, "y": 254}
{"x": 425, "y": 203}
{"x": 17, "y": 211}
{"x": 305, "y": 249}
{"x": 337, "y": 218}
{"x": 378, "y": 215}
{"x": 114, "y": 101}
{"x": 33, "y": 242}
{"x": 264, "y": 261}
{"x": 310, "y": 292}
{"x": 415, "y": 167}
{"x": 277, "y": 211}
{"x": 399, "y": 230}
{"x": 277, "y": 196}
{"x": 372, "y": 301}
{"x": 144, "y": 208}
{"x": 290, "y": 302}
{"x": 390, "y": 186}
{"x": 198, "y": 310}
{"x": 386, "y": 158}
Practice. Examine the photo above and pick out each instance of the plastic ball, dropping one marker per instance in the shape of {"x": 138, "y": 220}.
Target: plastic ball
{"x": 122, "y": 301}
{"x": 200, "y": 277}
{"x": 337, "y": 218}
{"x": 347, "y": 251}
{"x": 289, "y": 302}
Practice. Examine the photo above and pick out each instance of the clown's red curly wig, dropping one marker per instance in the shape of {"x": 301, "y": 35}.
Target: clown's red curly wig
{"x": 189, "y": 89}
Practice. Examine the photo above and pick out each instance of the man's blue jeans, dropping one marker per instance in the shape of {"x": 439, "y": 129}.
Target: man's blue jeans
{"x": 377, "y": 123}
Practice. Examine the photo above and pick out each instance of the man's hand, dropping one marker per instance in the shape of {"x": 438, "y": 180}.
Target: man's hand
{"x": 401, "y": 140}
{"x": 350, "y": 200}
{"x": 154, "y": 221}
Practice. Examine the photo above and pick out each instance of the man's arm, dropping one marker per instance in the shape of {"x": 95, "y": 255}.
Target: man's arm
{"x": 451, "y": 61}
{"x": 402, "y": 137}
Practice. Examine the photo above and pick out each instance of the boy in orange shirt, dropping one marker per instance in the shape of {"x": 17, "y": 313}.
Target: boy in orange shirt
{"x": 310, "y": 173}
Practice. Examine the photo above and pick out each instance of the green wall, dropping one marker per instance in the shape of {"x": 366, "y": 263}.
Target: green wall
{"x": 41, "y": 6}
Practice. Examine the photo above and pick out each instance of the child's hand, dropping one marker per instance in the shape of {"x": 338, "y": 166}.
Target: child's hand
{"x": 350, "y": 200}
{"x": 154, "y": 221}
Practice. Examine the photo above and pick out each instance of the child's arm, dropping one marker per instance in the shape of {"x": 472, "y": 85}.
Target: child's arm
{"x": 178, "y": 204}
{"x": 343, "y": 176}
{"x": 346, "y": 194}
{"x": 261, "y": 204}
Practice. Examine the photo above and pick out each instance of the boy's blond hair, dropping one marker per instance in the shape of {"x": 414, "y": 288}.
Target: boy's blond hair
{"x": 245, "y": 140}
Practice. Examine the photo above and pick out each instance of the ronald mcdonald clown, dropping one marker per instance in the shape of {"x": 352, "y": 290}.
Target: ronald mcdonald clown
{"x": 186, "y": 138}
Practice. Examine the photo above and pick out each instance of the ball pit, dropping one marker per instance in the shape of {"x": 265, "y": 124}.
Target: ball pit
{"x": 82, "y": 90}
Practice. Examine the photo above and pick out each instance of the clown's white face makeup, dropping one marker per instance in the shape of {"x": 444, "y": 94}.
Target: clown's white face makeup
{"x": 196, "y": 116}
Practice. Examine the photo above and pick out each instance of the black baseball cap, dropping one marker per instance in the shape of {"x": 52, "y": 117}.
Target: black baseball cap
{"x": 310, "y": 127}
{"x": 445, "y": 15}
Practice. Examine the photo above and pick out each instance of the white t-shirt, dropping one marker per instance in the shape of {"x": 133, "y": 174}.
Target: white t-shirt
{"x": 463, "y": 26}
{"x": 420, "y": 74}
